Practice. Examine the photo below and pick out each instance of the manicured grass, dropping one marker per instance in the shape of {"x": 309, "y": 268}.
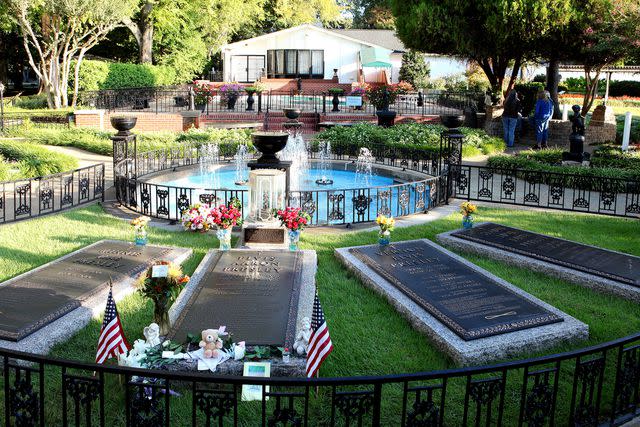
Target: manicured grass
{"x": 369, "y": 336}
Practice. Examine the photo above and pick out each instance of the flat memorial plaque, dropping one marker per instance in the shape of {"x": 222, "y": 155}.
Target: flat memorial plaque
{"x": 611, "y": 265}
{"x": 37, "y": 298}
{"x": 469, "y": 303}
{"x": 253, "y": 293}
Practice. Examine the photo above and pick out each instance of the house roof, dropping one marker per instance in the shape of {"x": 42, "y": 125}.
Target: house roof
{"x": 366, "y": 37}
{"x": 382, "y": 38}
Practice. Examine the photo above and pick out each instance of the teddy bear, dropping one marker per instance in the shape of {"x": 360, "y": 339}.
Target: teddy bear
{"x": 211, "y": 343}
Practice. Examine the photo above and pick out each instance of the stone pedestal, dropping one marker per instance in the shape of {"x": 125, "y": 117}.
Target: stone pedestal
{"x": 602, "y": 114}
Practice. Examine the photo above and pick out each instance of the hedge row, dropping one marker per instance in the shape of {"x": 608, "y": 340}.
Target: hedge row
{"x": 616, "y": 87}
{"x": 425, "y": 138}
{"x": 25, "y": 160}
{"x": 100, "y": 75}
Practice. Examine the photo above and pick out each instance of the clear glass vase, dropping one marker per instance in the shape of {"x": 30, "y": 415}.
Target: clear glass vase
{"x": 140, "y": 236}
{"x": 384, "y": 238}
{"x": 467, "y": 222}
{"x": 161, "y": 315}
{"x": 294, "y": 239}
{"x": 224, "y": 236}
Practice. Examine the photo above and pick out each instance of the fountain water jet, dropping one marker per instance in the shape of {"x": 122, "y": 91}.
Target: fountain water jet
{"x": 325, "y": 170}
{"x": 209, "y": 159}
{"x": 242, "y": 170}
{"x": 297, "y": 153}
{"x": 364, "y": 167}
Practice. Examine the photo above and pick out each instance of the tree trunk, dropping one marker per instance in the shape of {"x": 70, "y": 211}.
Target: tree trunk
{"x": 142, "y": 31}
{"x": 146, "y": 45}
{"x": 553, "y": 80}
{"x": 517, "y": 64}
{"x": 591, "y": 88}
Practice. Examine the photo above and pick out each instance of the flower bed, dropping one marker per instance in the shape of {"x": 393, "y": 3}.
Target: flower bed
{"x": 425, "y": 138}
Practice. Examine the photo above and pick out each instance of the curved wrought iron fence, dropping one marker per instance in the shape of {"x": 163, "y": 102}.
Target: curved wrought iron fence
{"x": 33, "y": 197}
{"x": 594, "y": 386}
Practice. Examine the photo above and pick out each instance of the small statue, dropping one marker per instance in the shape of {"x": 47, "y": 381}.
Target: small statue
{"x": 302, "y": 339}
{"x": 211, "y": 343}
{"x": 577, "y": 120}
{"x": 152, "y": 334}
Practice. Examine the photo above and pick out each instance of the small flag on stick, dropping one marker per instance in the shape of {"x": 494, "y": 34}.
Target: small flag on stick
{"x": 112, "y": 341}
{"x": 320, "y": 342}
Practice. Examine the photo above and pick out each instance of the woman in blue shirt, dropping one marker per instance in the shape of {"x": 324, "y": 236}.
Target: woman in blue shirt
{"x": 542, "y": 116}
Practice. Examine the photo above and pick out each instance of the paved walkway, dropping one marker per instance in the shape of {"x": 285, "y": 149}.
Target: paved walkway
{"x": 86, "y": 158}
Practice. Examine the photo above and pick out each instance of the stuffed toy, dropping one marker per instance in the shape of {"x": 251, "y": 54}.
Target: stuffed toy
{"x": 211, "y": 343}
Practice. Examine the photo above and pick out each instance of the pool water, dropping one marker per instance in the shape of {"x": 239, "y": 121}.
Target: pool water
{"x": 342, "y": 179}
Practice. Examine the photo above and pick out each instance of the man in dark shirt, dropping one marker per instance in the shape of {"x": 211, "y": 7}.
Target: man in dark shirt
{"x": 512, "y": 107}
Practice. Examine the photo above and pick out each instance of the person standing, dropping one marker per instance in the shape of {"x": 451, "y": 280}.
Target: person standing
{"x": 510, "y": 117}
{"x": 542, "y": 117}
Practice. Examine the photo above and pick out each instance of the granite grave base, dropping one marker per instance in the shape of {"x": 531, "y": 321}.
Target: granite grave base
{"x": 462, "y": 345}
{"x": 581, "y": 277}
{"x": 297, "y": 367}
{"x": 186, "y": 305}
{"x": 89, "y": 303}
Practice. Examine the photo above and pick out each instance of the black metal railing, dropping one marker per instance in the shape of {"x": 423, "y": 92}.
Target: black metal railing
{"x": 168, "y": 100}
{"x": 33, "y": 197}
{"x": 551, "y": 190}
{"x": 598, "y": 385}
{"x": 12, "y": 119}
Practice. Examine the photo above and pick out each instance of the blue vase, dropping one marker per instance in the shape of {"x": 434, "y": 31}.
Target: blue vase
{"x": 294, "y": 239}
{"x": 141, "y": 237}
{"x": 384, "y": 238}
{"x": 467, "y": 222}
{"x": 224, "y": 236}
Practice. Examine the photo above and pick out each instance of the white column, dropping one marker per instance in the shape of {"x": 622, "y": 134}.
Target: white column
{"x": 626, "y": 134}
{"x": 565, "y": 112}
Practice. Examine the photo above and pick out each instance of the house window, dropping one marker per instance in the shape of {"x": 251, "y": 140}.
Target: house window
{"x": 292, "y": 63}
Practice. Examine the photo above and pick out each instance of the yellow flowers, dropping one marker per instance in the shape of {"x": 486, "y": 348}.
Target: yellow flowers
{"x": 139, "y": 222}
{"x": 386, "y": 223}
{"x": 468, "y": 208}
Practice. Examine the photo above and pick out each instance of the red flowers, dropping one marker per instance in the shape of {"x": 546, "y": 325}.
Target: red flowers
{"x": 293, "y": 218}
{"x": 226, "y": 216}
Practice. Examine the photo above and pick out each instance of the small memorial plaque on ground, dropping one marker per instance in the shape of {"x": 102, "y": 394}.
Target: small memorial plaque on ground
{"x": 471, "y": 304}
{"x": 469, "y": 313}
{"x": 611, "y": 265}
{"x": 255, "y": 294}
{"x": 35, "y": 299}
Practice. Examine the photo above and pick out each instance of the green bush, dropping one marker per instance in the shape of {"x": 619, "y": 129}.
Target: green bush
{"x": 98, "y": 75}
{"x": 32, "y": 102}
{"x": 635, "y": 129}
{"x": 32, "y": 160}
{"x": 578, "y": 84}
{"x": 624, "y": 88}
{"x": 528, "y": 92}
{"x": 417, "y": 138}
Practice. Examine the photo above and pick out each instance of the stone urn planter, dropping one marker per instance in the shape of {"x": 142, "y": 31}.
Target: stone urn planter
{"x": 123, "y": 124}
{"x": 452, "y": 121}
{"x": 292, "y": 113}
{"x": 250, "y": 100}
{"x": 386, "y": 118}
{"x": 269, "y": 143}
{"x": 231, "y": 102}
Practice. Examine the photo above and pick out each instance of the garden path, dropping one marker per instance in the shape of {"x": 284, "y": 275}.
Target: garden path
{"x": 86, "y": 158}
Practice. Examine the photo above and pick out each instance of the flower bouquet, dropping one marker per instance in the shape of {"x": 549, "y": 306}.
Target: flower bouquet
{"x": 140, "y": 230}
{"x": 197, "y": 218}
{"x": 162, "y": 283}
{"x": 229, "y": 93}
{"x": 386, "y": 224}
{"x": 467, "y": 210}
{"x": 203, "y": 91}
{"x": 225, "y": 217}
{"x": 294, "y": 220}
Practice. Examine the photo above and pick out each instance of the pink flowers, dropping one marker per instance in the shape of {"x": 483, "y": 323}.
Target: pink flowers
{"x": 293, "y": 219}
{"x": 200, "y": 217}
{"x": 226, "y": 216}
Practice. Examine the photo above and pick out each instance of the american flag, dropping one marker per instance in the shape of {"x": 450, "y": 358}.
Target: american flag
{"x": 320, "y": 342}
{"x": 112, "y": 340}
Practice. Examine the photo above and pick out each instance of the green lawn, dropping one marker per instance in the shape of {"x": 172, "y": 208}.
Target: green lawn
{"x": 370, "y": 338}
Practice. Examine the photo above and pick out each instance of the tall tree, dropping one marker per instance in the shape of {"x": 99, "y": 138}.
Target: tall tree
{"x": 55, "y": 33}
{"x": 496, "y": 34}
{"x": 415, "y": 69}
{"x": 374, "y": 14}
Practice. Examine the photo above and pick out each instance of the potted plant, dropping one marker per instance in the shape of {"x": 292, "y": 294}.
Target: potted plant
{"x": 139, "y": 226}
{"x": 467, "y": 210}
{"x": 386, "y": 224}
{"x": 162, "y": 284}
{"x": 229, "y": 93}
{"x": 294, "y": 220}
{"x": 336, "y": 92}
{"x": 250, "y": 91}
{"x": 225, "y": 217}
{"x": 359, "y": 90}
{"x": 202, "y": 93}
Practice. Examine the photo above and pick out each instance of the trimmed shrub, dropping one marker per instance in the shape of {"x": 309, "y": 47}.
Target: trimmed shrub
{"x": 624, "y": 88}
{"x": 100, "y": 75}
{"x": 32, "y": 160}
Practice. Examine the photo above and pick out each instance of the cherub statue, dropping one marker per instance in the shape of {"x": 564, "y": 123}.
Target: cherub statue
{"x": 577, "y": 121}
{"x": 152, "y": 334}
{"x": 302, "y": 339}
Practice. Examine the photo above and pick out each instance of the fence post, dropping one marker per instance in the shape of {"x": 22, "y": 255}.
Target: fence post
{"x": 324, "y": 103}
{"x": 259, "y": 102}
{"x": 1, "y": 107}
{"x": 377, "y": 398}
{"x": 103, "y": 180}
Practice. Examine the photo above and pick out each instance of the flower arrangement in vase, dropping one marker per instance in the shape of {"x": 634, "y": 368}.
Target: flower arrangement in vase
{"x": 139, "y": 226}
{"x": 196, "y": 218}
{"x": 386, "y": 224}
{"x": 162, "y": 283}
{"x": 202, "y": 91}
{"x": 467, "y": 210}
{"x": 294, "y": 220}
{"x": 229, "y": 93}
{"x": 225, "y": 217}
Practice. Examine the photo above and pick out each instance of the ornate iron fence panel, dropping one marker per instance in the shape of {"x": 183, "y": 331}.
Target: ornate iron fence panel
{"x": 33, "y": 197}
{"x": 551, "y": 190}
